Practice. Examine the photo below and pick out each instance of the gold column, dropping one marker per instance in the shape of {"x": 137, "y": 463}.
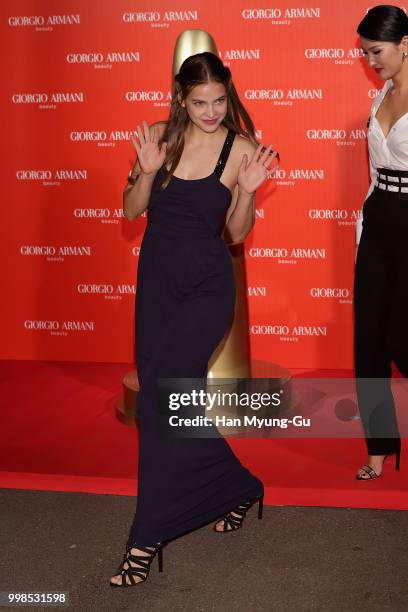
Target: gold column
{"x": 189, "y": 43}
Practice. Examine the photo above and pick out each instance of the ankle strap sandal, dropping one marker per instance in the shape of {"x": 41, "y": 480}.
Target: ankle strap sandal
{"x": 138, "y": 565}
{"x": 233, "y": 520}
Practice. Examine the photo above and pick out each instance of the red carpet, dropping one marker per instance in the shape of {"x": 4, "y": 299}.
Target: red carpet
{"x": 58, "y": 431}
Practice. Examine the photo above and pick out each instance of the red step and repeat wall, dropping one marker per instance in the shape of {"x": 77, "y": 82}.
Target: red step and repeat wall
{"x": 79, "y": 75}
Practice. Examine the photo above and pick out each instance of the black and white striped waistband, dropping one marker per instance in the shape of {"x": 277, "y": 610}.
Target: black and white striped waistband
{"x": 392, "y": 180}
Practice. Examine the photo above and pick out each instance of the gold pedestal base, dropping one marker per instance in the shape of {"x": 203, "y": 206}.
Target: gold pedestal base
{"x": 126, "y": 406}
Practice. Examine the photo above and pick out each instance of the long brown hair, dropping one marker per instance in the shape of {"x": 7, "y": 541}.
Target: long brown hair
{"x": 197, "y": 70}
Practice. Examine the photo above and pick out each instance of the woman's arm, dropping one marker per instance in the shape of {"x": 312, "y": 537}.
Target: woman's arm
{"x": 254, "y": 169}
{"x": 136, "y": 197}
{"x": 149, "y": 160}
{"x": 240, "y": 216}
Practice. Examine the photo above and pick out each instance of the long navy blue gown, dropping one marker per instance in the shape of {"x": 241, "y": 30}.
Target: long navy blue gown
{"x": 184, "y": 304}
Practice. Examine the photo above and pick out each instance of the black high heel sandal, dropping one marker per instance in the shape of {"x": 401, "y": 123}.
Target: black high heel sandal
{"x": 142, "y": 567}
{"x": 233, "y": 520}
{"x": 367, "y": 469}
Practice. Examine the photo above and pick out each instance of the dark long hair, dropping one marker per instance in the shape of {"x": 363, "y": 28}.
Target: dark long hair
{"x": 197, "y": 70}
{"x": 384, "y": 22}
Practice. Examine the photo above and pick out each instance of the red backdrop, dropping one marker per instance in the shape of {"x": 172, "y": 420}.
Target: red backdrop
{"x": 79, "y": 76}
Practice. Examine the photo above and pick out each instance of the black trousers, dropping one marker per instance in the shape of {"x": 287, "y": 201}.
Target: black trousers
{"x": 381, "y": 315}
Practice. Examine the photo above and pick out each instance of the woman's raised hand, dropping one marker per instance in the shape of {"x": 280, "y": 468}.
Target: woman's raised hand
{"x": 253, "y": 173}
{"x": 150, "y": 156}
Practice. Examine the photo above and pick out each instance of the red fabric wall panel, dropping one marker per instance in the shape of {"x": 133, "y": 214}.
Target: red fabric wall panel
{"x": 77, "y": 79}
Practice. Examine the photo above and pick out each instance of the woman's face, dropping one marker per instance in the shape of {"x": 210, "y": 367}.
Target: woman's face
{"x": 385, "y": 57}
{"x": 206, "y": 105}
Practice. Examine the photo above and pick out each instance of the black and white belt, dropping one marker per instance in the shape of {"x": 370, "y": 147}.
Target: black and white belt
{"x": 392, "y": 180}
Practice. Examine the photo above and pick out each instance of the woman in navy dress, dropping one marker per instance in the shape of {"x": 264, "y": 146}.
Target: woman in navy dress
{"x": 196, "y": 175}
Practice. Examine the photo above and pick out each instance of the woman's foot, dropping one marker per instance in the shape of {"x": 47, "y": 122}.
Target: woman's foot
{"x": 372, "y": 469}
{"x": 233, "y": 520}
{"x": 228, "y": 521}
{"x": 135, "y": 566}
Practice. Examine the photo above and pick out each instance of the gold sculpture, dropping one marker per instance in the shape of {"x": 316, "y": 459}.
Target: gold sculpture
{"x": 189, "y": 43}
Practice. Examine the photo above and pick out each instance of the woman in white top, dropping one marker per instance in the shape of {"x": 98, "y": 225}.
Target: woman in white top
{"x": 381, "y": 279}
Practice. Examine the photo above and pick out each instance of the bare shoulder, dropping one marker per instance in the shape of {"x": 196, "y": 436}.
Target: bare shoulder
{"x": 243, "y": 145}
{"x": 160, "y": 126}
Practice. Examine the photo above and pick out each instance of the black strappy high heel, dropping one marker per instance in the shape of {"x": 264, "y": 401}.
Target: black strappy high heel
{"x": 141, "y": 564}
{"x": 371, "y": 474}
{"x": 233, "y": 520}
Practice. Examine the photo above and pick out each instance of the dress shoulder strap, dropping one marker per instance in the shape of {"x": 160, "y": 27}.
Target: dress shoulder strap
{"x": 226, "y": 149}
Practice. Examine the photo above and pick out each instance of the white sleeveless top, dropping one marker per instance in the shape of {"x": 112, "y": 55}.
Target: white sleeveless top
{"x": 385, "y": 152}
